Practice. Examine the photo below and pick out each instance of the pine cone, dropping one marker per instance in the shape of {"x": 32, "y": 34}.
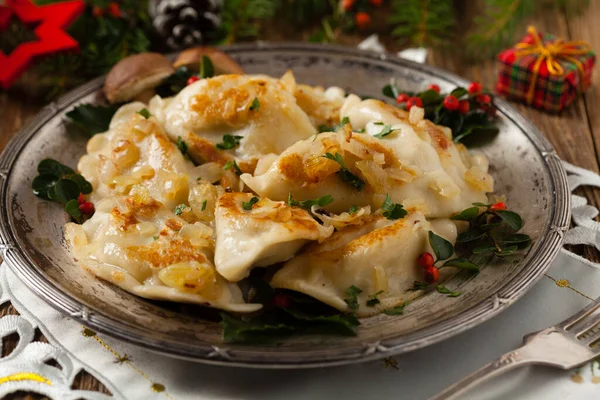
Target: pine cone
{"x": 184, "y": 23}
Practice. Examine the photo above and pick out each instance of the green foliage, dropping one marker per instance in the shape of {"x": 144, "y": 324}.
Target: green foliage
{"x": 422, "y": 23}
{"x": 242, "y": 19}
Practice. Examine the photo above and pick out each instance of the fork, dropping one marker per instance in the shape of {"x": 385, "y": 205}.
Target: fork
{"x": 570, "y": 344}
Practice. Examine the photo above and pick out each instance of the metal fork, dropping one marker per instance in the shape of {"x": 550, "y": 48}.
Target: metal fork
{"x": 567, "y": 345}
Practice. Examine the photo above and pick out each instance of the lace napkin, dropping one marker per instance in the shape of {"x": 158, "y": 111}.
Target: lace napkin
{"x": 133, "y": 373}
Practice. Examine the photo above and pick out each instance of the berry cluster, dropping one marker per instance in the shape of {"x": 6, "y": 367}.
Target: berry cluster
{"x": 360, "y": 9}
{"x": 112, "y": 9}
{"x": 86, "y": 207}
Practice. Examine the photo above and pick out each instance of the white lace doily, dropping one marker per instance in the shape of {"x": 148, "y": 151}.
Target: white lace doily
{"x": 133, "y": 373}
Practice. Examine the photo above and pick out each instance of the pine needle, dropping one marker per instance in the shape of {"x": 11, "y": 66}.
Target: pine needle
{"x": 422, "y": 22}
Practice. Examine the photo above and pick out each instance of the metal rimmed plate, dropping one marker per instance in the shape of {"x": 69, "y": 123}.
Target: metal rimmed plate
{"x": 524, "y": 165}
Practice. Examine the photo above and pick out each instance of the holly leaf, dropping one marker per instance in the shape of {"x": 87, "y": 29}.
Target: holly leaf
{"x": 507, "y": 251}
{"x": 390, "y": 91}
{"x": 174, "y": 83}
{"x": 207, "y": 69}
{"x": 459, "y": 92}
{"x": 511, "y": 218}
{"x": 72, "y": 208}
{"x": 430, "y": 97}
{"x": 442, "y": 248}
{"x": 92, "y": 119}
{"x": 53, "y": 167}
{"x": 461, "y": 263}
{"x": 42, "y": 184}
{"x": 84, "y": 186}
{"x": 469, "y": 236}
{"x": 483, "y": 249}
{"x": 517, "y": 238}
{"x": 66, "y": 190}
{"x": 467, "y": 214}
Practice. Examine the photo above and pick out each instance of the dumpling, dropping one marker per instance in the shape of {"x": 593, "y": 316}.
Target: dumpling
{"x": 379, "y": 256}
{"x": 263, "y": 233}
{"x": 322, "y": 106}
{"x": 135, "y": 152}
{"x": 416, "y": 164}
{"x": 261, "y": 111}
{"x": 144, "y": 248}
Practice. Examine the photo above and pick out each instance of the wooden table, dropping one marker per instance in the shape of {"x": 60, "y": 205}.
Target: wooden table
{"x": 575, "y": 133}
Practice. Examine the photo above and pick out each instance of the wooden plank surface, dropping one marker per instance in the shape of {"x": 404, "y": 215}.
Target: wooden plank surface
{"x": 575, "y": 133}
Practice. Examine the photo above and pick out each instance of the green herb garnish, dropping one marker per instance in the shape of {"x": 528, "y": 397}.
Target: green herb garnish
{"x": 307, "y": 204}
{"x": 182, "y": 146}
{"x": 229, "y": 142}
{"x": 352, "y": 299}
{"x": 353, "y": 209}
{"x": 384, "y": 132}
{"x": 180, "y": 209}
{"x": 335, "y": 128}
{"x": 144, "y": 113}
{"x": 204, "y": 205}
{"x": 248, "y": 205}
{"x": 344, "y": 173}
{"x": 396, "y": 310}
{"x": 444, "y": 290}
{"x": 231, "y": 163}
{"x": 392, "y": 210}
{"x": 255, "y": 106}
{"x": 372, "y": 301}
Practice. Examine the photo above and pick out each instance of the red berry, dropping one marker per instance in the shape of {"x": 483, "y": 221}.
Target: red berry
{"x": 376, "y": 3}
{"x": 97, "y": 12}
{"x": 192, "y": 79}
{"x": 402, "y": 97}
{"x": 475, "y": 87}
{"x": 451, "y": 102}
{"x": 425, "y": 260}
{"x": 463, "y": 106}
{"x": 483, "y": 99}
{"x": 87, "y": 208}
{"x": 80, "y": 199}
{"x": 114, "y": 10}
{"x": 434, "y": 87}
{"x": 347, "y": 5}
{"x": 362, "y": 19}
{"x": 432, "y": 274}
{"x": 500, "y": 206}
{"x": 281, "y": 300}
{"x": 413, "y": 101}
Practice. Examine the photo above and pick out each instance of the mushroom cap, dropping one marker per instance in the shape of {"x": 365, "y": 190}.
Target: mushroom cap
{"x": 135, "y": 74}
{"x": 192, "y": 57}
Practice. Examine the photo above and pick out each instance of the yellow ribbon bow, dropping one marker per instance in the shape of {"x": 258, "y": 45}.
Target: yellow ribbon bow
{"x": 551, "y": 53}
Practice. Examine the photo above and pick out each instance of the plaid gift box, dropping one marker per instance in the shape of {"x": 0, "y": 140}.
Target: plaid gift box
{"x": 544, "y": 71}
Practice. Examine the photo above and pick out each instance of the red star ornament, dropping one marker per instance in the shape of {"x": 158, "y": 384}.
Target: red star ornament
{"x": 53, "y": 18}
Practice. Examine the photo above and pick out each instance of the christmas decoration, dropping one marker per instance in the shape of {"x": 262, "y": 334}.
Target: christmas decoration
{"x": 184, "y": 23}
{"x": 544, "y": 71}
{"x": 52, "y": 19}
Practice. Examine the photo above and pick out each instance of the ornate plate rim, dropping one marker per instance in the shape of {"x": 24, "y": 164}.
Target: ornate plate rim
{"x": 538, "y": 261}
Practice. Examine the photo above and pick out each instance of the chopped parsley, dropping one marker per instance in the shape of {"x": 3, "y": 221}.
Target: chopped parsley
{"x": 353, "y": 209}
{"x": 179, "y": 209}
{"x": 352, "y": 299}
{"x": 255, "y": 106}
{"x": 344, "y": 173}
{"x": 144, "y": 113}
{"x": 231, "y": 163}
{"x": 392, "y": 210}
{"x": 229, "y": 142}
{"x": 324, "y": 128}
{"x": 155, "y": 237}
{"x": 444, "y": 290}
{"x": 373, "y": 300}
{"x": 182, "y": 145}
{"x": 248, "y": 205}
{"x": 204, "y": 205}
{"x": 396, "y": 310}
{"x": 307, "y": 204}
{"x": 418, "y": 285}
{"x": 384, "y": 132}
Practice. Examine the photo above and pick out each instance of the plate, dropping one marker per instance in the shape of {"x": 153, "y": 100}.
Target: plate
{"x": 523, "y": 163}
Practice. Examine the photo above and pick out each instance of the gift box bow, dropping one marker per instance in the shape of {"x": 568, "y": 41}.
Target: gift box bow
{"x": 548, "y": 56}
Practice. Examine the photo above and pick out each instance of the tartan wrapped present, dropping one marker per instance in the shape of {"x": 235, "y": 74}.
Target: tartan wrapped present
{"x": 544, "y": 71}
